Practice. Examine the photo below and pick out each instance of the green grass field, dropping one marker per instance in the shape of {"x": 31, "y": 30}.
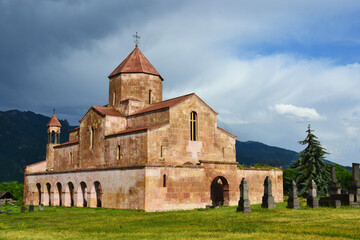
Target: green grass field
{"x": 222, "y": 223}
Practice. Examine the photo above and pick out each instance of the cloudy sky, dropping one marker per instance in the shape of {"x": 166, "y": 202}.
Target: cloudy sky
{"x": 269, "y": 68}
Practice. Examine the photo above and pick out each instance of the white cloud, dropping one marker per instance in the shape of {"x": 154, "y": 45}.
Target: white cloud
{"x": 302, "y": 113}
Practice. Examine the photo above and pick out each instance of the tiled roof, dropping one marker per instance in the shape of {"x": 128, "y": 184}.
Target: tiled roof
{"x": 136, "y": 62}
{"x": 130, "y": 130}
{"x": 67, "y": 143}
{"x": 169, "y": 103}
{"x": 74, "y": 129}
{"x": 164, "y": 104}
{"x": 227, "y": 132}
{"x": 54, "y": 122}
{"x": 107, "y": 111}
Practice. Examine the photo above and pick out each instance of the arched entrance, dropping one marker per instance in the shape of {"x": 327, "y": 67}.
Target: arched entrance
{"x": 83, "y": 194}
{"x": 48, "y": 194}
{"x": 59, "y": 188}
{"x": 219, "y": 191}
{"x": 98, "y": 192}
{"x": 38, "y": 186}
{"x": 71, "y": 193}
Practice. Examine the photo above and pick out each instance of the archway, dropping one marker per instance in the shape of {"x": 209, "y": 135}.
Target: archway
{"x": 98, "y": 192}
{"x": 48, "y": 194}
{"x": 83, "y": 194}
{"x": 71, "y": 193}
{"x": 38, "y": 186}
{"x": 59, "y": 189}
{"x": 219, "y": 191}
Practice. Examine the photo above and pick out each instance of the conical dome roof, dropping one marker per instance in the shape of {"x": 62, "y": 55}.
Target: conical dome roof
{"x": 136, "y": 62}
{"x": 54, "y": 122}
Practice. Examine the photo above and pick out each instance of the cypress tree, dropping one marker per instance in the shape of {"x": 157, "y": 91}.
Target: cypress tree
{"x": 311, "y": 165}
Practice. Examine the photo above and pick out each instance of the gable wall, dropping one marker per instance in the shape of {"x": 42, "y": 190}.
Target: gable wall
{"x": 92, "y": 157}
{"x": 209, "y": 145}
{"x": 62, "y": 158}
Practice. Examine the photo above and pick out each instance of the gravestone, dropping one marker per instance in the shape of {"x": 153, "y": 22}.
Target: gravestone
{"x": 268, "y": 199}
{"x": 334, "y": 187}
{"x": 354, "y": 189}
{"x": 23, "y": 209}
{"x": 31, "y": 208}
{"x": 41, "y": 207}
{"x": 244, "y": 202}
{"x": 312, "y": 200}
{"x": 293, "y": 201}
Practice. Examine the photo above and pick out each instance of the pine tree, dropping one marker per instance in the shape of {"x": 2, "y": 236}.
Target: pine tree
{"x": 311, "y": 165}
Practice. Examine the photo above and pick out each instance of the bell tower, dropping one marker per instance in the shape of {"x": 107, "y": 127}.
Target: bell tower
{"x": 134, "y": 84}
{"x": 53, "y": 133}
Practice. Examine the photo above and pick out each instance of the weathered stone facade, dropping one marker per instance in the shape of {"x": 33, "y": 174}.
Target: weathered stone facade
{"x": 140, "y": 152}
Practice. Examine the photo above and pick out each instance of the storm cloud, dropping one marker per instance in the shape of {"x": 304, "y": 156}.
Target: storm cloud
{"x": 269, "y": 68}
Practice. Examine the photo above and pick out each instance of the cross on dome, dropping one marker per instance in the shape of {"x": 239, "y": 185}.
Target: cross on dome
{"x": 136, "y": 39}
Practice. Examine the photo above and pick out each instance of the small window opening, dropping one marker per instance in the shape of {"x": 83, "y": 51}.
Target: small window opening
{"x": 150, "y": 97}
{"x": 164, "y": 180}
{"x": 161, "y": 151}
{"x": 193, "y": 128}
{"x": 53, "y": 137}
{"x": 223, "y": 152}
{"x": 92, "y": 138}
{"x": 118, "y": 151}
{"x": 71, "y": 159}
{"x": 114, "y": 98}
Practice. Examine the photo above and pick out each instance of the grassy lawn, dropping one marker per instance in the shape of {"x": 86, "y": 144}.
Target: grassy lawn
{"x": 222, "y": 223}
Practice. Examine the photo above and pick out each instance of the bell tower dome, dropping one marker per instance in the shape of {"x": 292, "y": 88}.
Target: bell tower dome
{"x": 134, "y": 79}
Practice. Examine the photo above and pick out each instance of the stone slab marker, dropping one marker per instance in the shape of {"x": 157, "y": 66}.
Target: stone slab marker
{"x": 293, "y": 201}
{"x": 31, "y": 208}
{"x": 312, "y": 200}
{"x": 334, "y": 187}
{"x": 41, "y": 207}
{"x": 244, "y": 202}
{"x": 354, "y": 189}
{"x": 23, "y": 209}
{"x": 268, "y": 199}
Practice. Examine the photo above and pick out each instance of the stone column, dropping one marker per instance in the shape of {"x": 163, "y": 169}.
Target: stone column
{"x": 268, "y": 199}
{"x": 244, "y": 202}
{"x": 293, "y": 201}
{"x": 312, "y": 200}
{"x": 334, "y": 186}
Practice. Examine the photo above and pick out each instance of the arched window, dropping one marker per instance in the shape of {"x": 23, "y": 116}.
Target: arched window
{"x": 150, "y": 97}
{"x": 114, "y": 98}
{"x": 193, "y": 126}
{"x": 92, "y": 133}
{"x": 118, "y": 152}
{"x": 53, "y": 137}
{"x": 164, "y": 180}
{"x": 71, "y": 159}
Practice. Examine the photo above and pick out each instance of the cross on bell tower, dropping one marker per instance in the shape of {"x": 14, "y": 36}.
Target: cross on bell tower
{"x": 136, "y": 39}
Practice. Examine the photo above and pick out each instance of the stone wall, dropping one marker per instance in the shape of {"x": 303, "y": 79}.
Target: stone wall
{"x": 133, "y": 150}
{"x": 66, "y": 157}
{"x": 189, "y": 187}
{"x": 148, "y": 119}
{"x": 121, "y": 189}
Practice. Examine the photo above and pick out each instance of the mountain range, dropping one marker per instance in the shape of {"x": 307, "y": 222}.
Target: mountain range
{"x": 23, "y": 141}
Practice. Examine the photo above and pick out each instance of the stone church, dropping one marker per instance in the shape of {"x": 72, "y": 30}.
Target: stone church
{"x": 142, "y": 152}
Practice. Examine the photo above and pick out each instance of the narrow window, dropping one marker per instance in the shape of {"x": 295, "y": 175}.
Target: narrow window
{"x": 193, "y": 124}
{"x": 53, "y": 137}
{"x": 150, "y": 96}
{"x": 114, "y": 98}
{"x": 92, "y": 133}
{"x": 118, "y": 151}
{"x": 161, "y": 151}
{"x": 164, "y": 180}
{"x": 71, "y": 159}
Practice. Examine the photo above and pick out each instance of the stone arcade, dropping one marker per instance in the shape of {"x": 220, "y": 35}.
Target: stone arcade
{"x": 140, "y": 152}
